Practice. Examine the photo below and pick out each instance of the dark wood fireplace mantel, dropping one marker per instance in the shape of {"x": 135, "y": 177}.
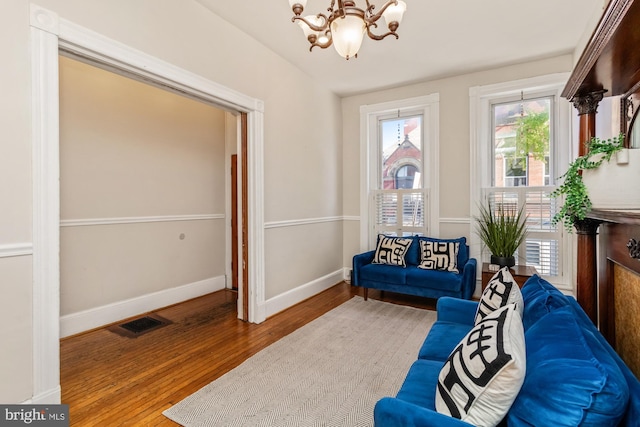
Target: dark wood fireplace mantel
{"x": 608, "y": 66}
{"x": 619, "y": 281}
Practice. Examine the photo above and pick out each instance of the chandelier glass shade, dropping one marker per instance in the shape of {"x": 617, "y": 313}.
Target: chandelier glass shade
{"x": 345, "y": 25}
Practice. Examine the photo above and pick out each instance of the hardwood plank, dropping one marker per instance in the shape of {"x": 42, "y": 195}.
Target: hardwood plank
{"x": 112, "y": 380}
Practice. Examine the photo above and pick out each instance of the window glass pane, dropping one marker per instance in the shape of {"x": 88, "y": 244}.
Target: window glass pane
{"x": 401, "y": 153}
{"x": 540, "y": 209}
{"x": 412, "y": 210}
{"x": 521, "y": 143}
{"x": 543, "y": 255}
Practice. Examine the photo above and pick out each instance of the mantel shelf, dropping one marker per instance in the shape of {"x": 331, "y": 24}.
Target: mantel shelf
{"x": 610, "y": 59}
{"x": 620, "y": 216}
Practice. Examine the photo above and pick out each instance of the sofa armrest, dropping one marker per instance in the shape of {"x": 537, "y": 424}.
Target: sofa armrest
{"x": 359, "y": 261}
{"x": 456, "y": 310}
{"x": 469, "y": 278}
{"x": 392, "y": 412}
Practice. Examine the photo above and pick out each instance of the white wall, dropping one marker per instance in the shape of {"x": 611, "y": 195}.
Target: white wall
{"x": 136, "y": 162}
{"x": 16, "y": 379}
{"x": 184, "y": 34}
{"x": 455, "y": 147}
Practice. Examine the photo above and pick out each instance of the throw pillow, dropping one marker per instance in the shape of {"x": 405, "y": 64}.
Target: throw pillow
{"x": 439, "y": 255}
{"x": 413, "y": 256}
{"x": 501, "y": 290}
{"x": 483, "y": 374}
{"x": 391, "y": 250}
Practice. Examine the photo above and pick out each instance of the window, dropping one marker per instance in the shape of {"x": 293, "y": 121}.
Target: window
{"x": 399, "y": 193}
{"x": 407, "y": 177}
{"x": 399, "y": 199}
{"x": 520, "y": 129}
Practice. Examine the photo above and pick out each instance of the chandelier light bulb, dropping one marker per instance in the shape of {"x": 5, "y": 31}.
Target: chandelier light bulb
{"x": 308, "y": 31}
{"x": 347, "y": 34}
{"x": 394, "y": 13}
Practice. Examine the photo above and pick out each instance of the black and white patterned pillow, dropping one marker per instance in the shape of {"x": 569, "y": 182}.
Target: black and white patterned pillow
{"x": 484, "y": 373}
{"x": 439, "y": 255}
{"x": 501, "y": 290}
{"x": 391, "y": 250}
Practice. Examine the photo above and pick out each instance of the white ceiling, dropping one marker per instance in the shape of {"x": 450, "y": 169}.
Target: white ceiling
{"x": 437, "y": 38}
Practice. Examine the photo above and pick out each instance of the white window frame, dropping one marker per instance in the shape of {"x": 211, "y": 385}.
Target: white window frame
{"x": 428, "y": 106}
{"x": 480, "y": 100}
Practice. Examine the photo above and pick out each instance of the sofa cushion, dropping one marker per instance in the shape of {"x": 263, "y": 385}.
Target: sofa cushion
{"x": 392, "y": 250}
{"x": 571, "y": 379}
{"x": 442, "y": 339}
{"x": 419, "y": 386}
{"x": 540, "y": 298}
{"x": 501, "y": 290}
{"x": 439, "y": 255}
{"x": 484, "y": 373}
{"x": 413, "y": 255}
{"x": 382, "y": 273}
{"x": 433, "y": 279}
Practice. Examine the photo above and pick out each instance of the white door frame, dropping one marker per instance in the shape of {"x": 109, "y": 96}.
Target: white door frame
{"x": 49, "y": 33}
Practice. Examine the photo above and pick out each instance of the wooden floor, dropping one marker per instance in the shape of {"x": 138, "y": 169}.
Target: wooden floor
{"x": 111, "y": 380}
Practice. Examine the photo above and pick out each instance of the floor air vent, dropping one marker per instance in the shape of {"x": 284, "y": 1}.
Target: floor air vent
{"x": 140, "y": 326}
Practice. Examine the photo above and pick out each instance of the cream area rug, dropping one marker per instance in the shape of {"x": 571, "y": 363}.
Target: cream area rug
{"x": 330, "y": 372}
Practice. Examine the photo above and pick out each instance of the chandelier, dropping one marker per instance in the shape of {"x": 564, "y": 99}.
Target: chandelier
{"x": 346, "y": 24}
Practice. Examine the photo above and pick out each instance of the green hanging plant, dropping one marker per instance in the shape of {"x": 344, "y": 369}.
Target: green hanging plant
{"x": 576, "y": 196}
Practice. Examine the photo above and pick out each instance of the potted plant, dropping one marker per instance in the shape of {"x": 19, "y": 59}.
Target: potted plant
{"x": 576, "y": 196}
{"x": 502, "y": 229}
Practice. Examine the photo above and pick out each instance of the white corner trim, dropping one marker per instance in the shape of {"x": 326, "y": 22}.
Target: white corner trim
{"x": 16, "y": 249}
{"x": 86, "y": 320}
{"x": 46, "y": 205}
{"x": 136, "y": 220}
{"x": 44, "y": 19}
{"x": 294, "y": 296}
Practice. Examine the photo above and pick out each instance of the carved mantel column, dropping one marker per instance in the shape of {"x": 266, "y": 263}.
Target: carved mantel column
{"x": 587, "y": 106}
{"x": 587, "y": 229}
{"x": 587, "y": 274}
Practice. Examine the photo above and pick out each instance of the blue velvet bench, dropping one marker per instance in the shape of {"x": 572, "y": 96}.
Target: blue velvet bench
{"x": 410, "y": 279}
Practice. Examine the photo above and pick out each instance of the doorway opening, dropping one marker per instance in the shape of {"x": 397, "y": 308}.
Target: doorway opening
{"x": 49, "y": 35}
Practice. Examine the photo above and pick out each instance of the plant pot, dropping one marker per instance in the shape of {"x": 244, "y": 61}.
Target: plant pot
{"x": 503, "y": 261}
{"x": 613, "y": 185}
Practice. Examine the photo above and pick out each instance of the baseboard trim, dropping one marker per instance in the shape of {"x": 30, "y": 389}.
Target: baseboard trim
{"x": 82, "y": 321}
{"x": 53, "y": 396}
{"x": 294, "y": 296}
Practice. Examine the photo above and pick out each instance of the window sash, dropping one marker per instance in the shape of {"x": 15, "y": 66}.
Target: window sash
{"x": 399, "y": 212}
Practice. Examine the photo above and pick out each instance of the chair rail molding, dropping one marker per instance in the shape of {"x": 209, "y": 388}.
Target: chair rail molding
{"x": 16, "y": 249}
{"x": 137, "y": 220}
{"x": 306, "y": 221}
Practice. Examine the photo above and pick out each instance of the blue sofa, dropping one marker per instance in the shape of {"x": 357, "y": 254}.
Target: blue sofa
{"x": 412, "y": 280}
{"x": 573, "y": 376}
